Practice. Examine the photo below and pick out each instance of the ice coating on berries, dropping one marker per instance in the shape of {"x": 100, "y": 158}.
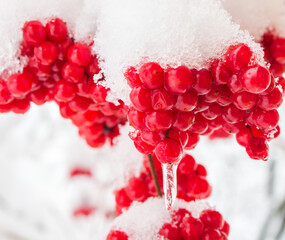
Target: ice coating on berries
{"x": 144, "y": 39}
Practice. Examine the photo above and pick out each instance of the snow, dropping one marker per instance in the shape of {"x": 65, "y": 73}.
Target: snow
{"x": 172, "y": 33}
{"x": 258, "y": 16}
{"x": 143, "y": 220}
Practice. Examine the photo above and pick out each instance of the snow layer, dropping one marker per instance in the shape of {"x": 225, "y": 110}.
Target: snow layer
{"x": 143, "y": 220}
{"x": 258, "y": 16}
{"x": 183, "y": 32}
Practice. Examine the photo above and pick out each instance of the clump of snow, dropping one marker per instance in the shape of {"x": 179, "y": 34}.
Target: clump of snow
{"x": 143, "y": 220}
{"x": 258, "y": 16}
{"x": 172, "y": 33}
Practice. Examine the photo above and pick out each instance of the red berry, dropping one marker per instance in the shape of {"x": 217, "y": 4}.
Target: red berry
{"x": 117, "y": 235}
{"x": 63, "y": 48}
{"x": 64, "y": 91}
{"x": 271, "y": 101}
{"x": 93, "y": 66}
{"x": 96, "y": 142}
{"x": 136, "y": 189}
{"x": 170, "y": 232}
{"x": 255, "y": 79}
{"x": 46, "y": 53}
{"x": 162, "y": 99}
{"x": 212, "y": 219}
{"x": 226, "y": 228}
{"x": 78, "y": 171}
{"x": 19, "y": 84}
{"x": 243, "y": 136}
{"x": 98, "y": 93}
{"x": 83, "y": 211}
{"x": 151, "y": 75}
{"x": 203, "y": 82}
{"x": 79, "y": 54}
{"x": 79, "y": 104}
{"x": 141, "y": 98}
{"x": 238, "y": 57}
{"x": 266, "y": 119}
{"x": 34, "y": 33}
{"x": 233, "y": 115}
{"x": 122, "y": 198}
{"x": 245, "y": 100}
{"x": 220, "y": 72}
{"x": 257, "y": 148}
{"x": 212, "y": 234}
{"x": 152, "y": 138}
{"x": 183, "y": 120}
{"x": 65, "y": 110}
{"x": 187, "y": 164}
{"x": 159, "y": 120}
{"x": 72, "y": 73}
{"x": 56, "y": 30}
{"x": 191, "y": 228}
{"x": 168, "y": 151}
{"x": 212, "y": 112}
{"x": 39, "y": 96}
{"x": 187, "y": 101}
{"x": 20, "y": 106}
{"x": 234, "y": 84}
{"x": 180, "y": 137}
{"x": 179, "y": 80}
{"x": 136, "y": 119}
{"x": 140, "y": 145}
{"x": 200, "y": 125}
{"x": 193, "y": 140}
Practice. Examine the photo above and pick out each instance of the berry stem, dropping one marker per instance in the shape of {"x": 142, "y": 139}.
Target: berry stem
{"x": 250, "y": 130}
{"x": 154, "y": 175}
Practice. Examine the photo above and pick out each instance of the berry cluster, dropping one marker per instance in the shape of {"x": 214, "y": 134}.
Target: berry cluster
{"x": 61, "y": 70}
{"x": 209, "y": 226}
{"x": 172, "y": 107}
{"x": 274, "y": 52}
{"x": 192, "y": 183}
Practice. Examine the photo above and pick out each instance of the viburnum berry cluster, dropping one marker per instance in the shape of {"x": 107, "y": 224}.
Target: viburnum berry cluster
{"x": 61, "y": 70}
{"x": 172, "y": 107}
{"x": 192, "y": 183}
{"x": 274, "y": 52}
{"x": 209, "y": 226}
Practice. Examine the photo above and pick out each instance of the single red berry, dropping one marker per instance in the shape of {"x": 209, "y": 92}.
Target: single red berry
{"x": 212, "y": 219}
{"x": 92, "y": 132}
{"x": 96, "y": 142}
{"x": 257, "y": 148}
{"x": 183, "y": 120}
{"x": 169, "y": 231}
{"x": 179, "y": 136}
{"x": 213, "y": 111}
{"x": 4, "y": 108}
{"x": 64, "y": 91}
{"x": 179, "y": 80}
{"x": 46, "y": 52}
{"x": 122, "y": 198}
{"x": 141, "y": 145}
{"x": 168, "y": 151}
{"x": 20, "y": 106}
{"x": 34, "y": 33}
{"x": 191, "y": 228}
{"x": 245, "y": 100}
{"x": 266, "y": 120}
{"x": 79, "y": 104}
{"x": 234, "y": 84}
{"x": 56, "y": 30}
{"x": 232, "y": 114}
{"x": 159, "y": 120}
{"x": 221, "y": 73}
{"x": 141, "y": 98}
{"x": 225, "y": 97}
{"x": 151, "y": 75}
{"x": 151, "y": 137}
{"x": 72, "y": 73}
{"x": 199, "y": 126}
{"x": 136, "y": 119}
{"x": 187, "y": 164}
{"x": 93, "y": 66}
{"x": 226, "y": 228}
{"x": 255, "y": 79}
{"x": 212, "y": 234}
{"x": 281, "y": 84}
{"x": 39, "y": 96}
{"x": 79, "y": 54}
{"x": 65, "y": 110}
{"x": 203, "y": 82}
{"x": 187, "y": 101}
{"x": 213, "y": 95}
{"x": 162, "y": 99}
{"x": 136, "y": 189}
{"x": 193, "y": 140}
{"x": 271, "y": 101}
{"x": 238, "y": 57}
{"x": 19, "y": 84}
{"x": 117, "y": 235}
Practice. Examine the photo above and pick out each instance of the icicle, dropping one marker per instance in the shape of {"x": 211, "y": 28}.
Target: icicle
{"x": 169, "y": 183}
